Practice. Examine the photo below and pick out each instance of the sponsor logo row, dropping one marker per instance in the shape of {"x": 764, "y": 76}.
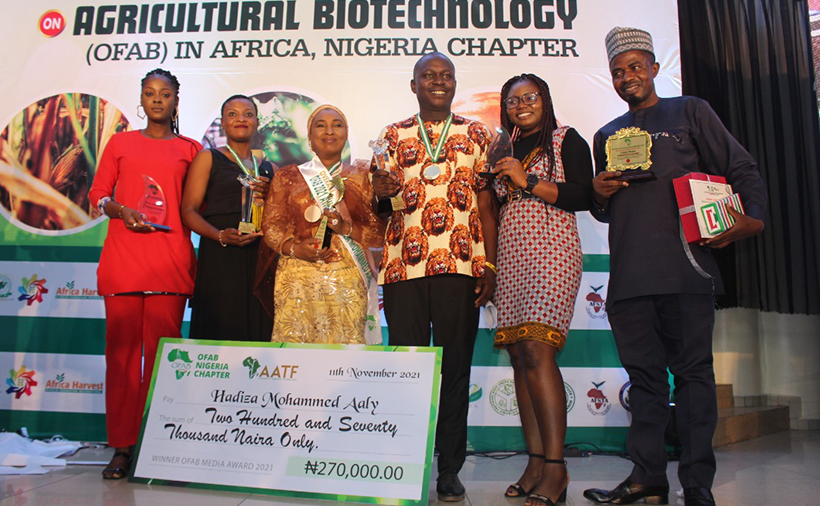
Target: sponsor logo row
{"x": 23, "y": 382}
{"x": 503, "y": 401}
{"x": 33, "y": 289}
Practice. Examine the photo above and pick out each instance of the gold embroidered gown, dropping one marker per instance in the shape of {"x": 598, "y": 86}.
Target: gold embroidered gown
{"x": 318, "y": 303}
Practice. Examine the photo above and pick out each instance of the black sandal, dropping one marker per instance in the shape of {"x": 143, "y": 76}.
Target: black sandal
{"x": 542, "y": 500}
{"x": 517, "y": 487}
{"x": 118, "y": 473}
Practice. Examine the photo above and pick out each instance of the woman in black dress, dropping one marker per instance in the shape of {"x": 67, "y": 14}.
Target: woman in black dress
{"x": 223, "y": 305}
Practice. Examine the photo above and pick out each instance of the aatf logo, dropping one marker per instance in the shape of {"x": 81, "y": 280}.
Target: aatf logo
{"x": 570, "y": 393}
{"x": 5, "y": 287}
{"x": 596, "y": 305}
{"x": 20, "y": 382}
{"x": 32, "y": 290}
{"x": 502, "y": 398}
{"x": 181, "y": 363}
{"x": 52, "y": 23}
{"x": 598, "y": 404}
{"x": 257, "y": 370}
{"x": 623, "y": 396}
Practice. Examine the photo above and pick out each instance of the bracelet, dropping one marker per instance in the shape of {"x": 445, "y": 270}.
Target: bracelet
{"x": 351, "y": 230}
{"x": 292, "y": 245}
{"x": 220, "y": 239}
{"x": 101, "y": 204}
{"x": 491, "y": 267}
{"x": 122, "y": 206}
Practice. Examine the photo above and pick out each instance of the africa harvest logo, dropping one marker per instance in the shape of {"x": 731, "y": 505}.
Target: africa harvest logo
{"x": 597, "y": 305}
{"x": 61, "y": 384}
{"x": 72, "y": 291}
{"x": 5, "y": 287}
{"x": 181, "y": 363}
{"x": 502, "y": 398}
{"x": 20, "y": 382}
{"x": 598, "y": 404}
{"x": 32, "y": 290}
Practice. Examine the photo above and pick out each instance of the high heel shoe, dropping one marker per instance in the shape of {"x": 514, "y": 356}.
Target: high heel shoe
{"x": 112, "y": 472}
{"x": 517, "y": 487}
{"x": 542, "y": 500}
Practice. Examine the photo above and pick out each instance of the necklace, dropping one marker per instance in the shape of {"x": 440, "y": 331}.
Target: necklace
{"x": 433, "y": 171}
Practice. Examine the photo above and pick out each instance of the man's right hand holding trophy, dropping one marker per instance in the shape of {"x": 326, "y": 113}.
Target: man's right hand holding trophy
{"x": 386, "y": 185}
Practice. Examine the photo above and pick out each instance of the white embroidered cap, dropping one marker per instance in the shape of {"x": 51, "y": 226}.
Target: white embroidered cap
{"x": 620, "y": 40}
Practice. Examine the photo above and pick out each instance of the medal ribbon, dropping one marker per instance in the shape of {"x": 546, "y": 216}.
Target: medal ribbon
{"x": 242, "y": 165}
{"x": 426, "y": 139}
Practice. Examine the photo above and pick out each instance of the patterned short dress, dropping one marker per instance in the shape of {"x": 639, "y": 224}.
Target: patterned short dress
{"x": 539, "y": 262}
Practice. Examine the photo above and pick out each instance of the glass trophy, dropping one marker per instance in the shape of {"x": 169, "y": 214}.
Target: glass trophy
{"x": 246, "y": 224}
{"x": 500, "y": 147}
{"x": 152, "y": 206}
{"x": 396, "y": 202}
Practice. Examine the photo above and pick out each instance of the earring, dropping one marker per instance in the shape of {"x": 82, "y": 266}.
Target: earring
{"x": 140, "y": 108}
{"x": 176, "y": 114}
{"x": 515, "y": 133}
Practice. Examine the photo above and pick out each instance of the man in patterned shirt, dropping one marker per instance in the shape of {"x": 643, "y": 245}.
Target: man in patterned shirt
{"x": 439, "y": 250}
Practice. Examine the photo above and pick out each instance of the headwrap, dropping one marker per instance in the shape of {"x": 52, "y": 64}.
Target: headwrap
{"x": 322, "y": 108}
{"x": 620, "y": 40}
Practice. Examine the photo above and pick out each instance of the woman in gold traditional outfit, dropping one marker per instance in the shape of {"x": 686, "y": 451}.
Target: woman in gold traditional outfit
{"x": 321, "y": 293}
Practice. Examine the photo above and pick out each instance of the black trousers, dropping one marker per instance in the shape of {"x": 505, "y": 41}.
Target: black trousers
{"x": 448, "y": 302}
{"x": 654, "y": 333}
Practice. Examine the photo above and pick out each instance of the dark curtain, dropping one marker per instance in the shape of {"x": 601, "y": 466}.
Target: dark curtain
{"x": 752, "y": 61}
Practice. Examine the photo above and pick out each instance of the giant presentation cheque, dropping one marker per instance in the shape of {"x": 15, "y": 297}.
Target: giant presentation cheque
{"x": 332, "y": 422}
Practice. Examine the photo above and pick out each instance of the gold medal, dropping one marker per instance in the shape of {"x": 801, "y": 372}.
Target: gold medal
{"x": 313, "y": 213}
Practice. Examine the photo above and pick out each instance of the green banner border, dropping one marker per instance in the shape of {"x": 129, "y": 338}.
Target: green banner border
{"x": 428, "y": 458}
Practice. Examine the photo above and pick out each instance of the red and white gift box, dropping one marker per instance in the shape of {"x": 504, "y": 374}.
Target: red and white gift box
{"x": 695, "y": 192}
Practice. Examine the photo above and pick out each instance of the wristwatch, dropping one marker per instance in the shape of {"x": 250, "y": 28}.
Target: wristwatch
{"x": 532, "y": 182}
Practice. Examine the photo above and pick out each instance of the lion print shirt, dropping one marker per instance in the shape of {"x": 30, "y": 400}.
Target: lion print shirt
{"x": 439, "y": 231}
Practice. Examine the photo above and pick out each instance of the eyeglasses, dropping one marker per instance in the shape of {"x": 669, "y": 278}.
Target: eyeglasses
{"x": 527, "y": 98}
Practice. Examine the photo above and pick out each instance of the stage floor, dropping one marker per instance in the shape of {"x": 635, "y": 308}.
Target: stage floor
{"x": 782, "y": 469}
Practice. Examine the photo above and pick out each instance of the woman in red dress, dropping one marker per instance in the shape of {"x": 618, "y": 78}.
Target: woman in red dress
{"x": 147, "y": 265}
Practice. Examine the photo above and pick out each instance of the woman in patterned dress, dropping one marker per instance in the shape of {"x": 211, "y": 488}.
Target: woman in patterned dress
{"x": 319, "y": 294}
{"x": 540, "y": 187}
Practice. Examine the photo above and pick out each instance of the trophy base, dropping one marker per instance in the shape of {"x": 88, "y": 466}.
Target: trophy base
{"x": 487, "y": 175}
{"x": 159, "y": 227}
{"x": 384, "y": 206}
{"x": 390, "y": 205}
{"x": 246, "y": 228}
{"x": 635, "y": 175}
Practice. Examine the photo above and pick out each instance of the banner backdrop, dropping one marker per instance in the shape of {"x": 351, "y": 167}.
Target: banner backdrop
{"x": 72, "y": 80}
